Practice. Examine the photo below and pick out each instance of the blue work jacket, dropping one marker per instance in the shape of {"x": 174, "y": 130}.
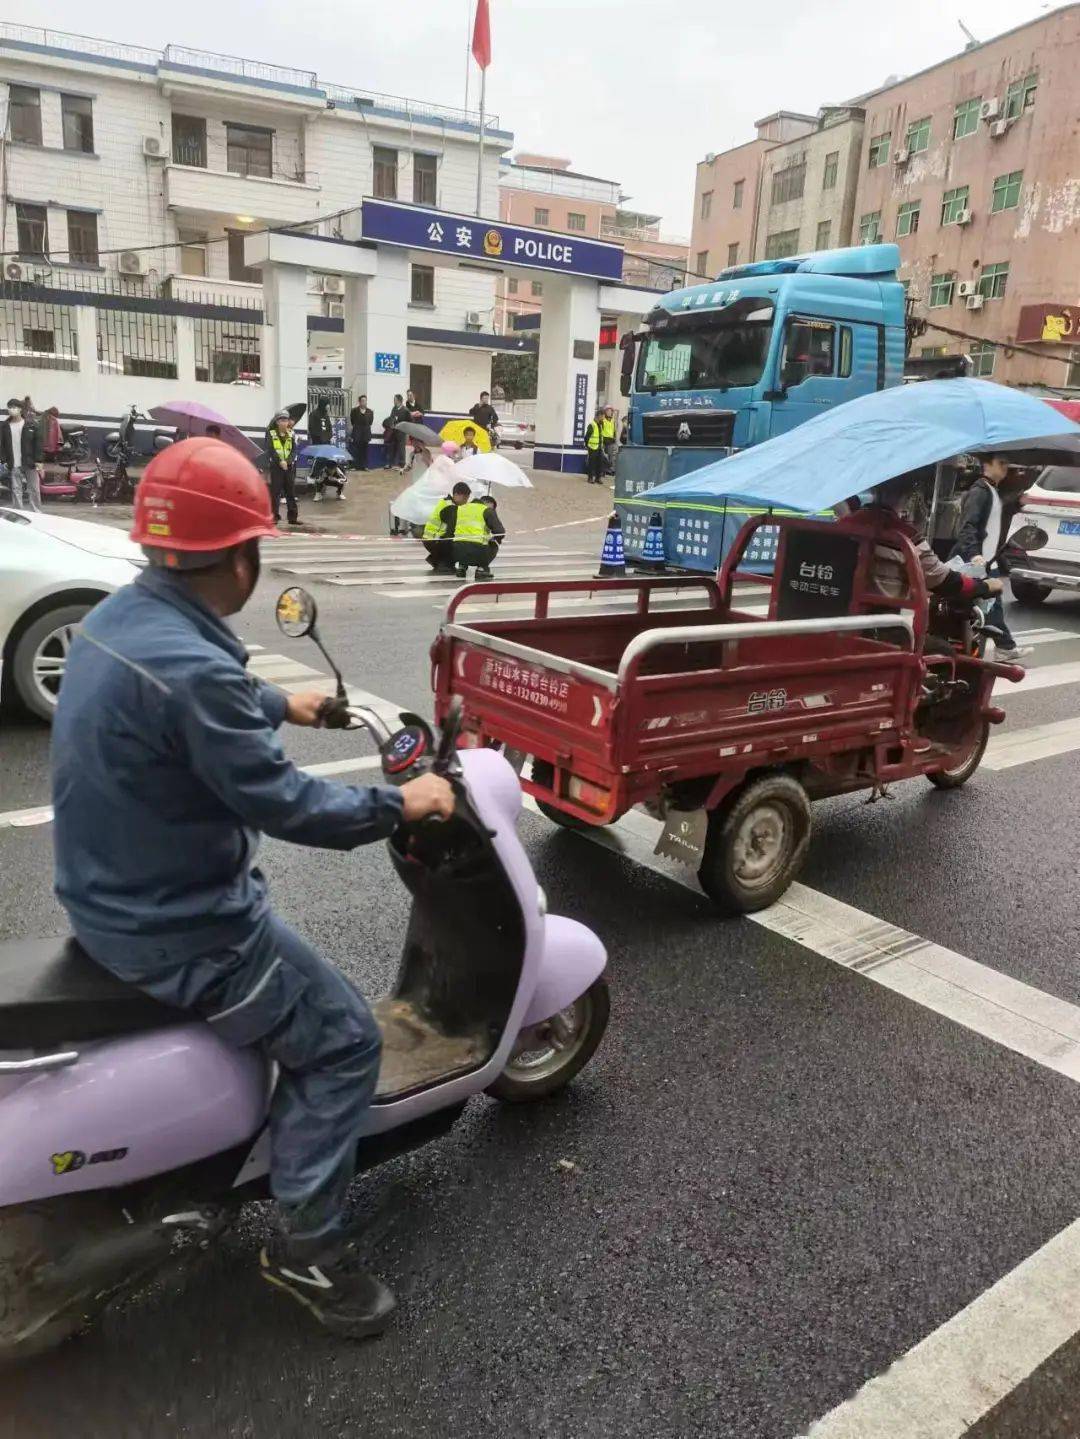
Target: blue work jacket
{"x": 166, "y": 767}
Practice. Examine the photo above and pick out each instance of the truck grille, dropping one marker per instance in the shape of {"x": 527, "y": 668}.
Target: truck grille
{"x": 700, "y": 429}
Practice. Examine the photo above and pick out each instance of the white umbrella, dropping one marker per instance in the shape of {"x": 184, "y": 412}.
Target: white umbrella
{"x": 492, "y": 469}
{"x": 415, "y": 504}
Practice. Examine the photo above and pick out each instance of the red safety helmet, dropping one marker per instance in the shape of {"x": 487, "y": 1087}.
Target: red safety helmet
{"x": 197, "y": 499}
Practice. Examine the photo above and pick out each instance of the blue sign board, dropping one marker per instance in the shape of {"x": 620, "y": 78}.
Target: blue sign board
{"x": 387, "y": 364}
{"x": 581, "y": 406}
{"x": 471, "y": 238}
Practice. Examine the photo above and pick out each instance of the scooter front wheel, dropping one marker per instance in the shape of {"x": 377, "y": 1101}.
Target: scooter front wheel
{"x": 548, "y": 1055}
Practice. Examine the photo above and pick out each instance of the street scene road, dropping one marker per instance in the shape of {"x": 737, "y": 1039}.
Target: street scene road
{"x": 815, "y": 1141}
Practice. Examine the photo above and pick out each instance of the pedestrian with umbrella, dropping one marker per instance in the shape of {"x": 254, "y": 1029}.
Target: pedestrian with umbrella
{"x": 360, "y": 422}
{"x": 393, "y": 438}
{"x": 327, "y": 468}
{"x": 192, "y": 419}
{"x": 281, "y": 450}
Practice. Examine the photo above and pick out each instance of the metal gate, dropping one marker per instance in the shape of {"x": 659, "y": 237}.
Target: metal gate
{"x": 338, "y": 402}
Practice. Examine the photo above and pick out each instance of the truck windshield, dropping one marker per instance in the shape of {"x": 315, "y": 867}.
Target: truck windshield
{"x": 707, "y": 352}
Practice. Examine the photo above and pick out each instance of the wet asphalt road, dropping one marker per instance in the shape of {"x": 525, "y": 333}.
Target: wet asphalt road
{"x": 783, "y": 1176}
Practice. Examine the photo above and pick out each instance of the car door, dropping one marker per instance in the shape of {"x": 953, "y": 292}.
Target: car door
{"x": 815, "y": 368}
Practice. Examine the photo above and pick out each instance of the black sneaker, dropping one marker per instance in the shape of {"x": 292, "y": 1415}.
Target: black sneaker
{"x": 484, "y": 574}
{"x": 340, "y": 1293}
{"x": 462, "y": 572}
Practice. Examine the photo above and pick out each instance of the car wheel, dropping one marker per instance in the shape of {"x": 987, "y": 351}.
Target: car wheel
{"x": 40, "y": 657}
{"x": 1029, "y": 592}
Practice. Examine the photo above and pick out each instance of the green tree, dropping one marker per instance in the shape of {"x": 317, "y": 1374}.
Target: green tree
{"x": 515, "y": 375}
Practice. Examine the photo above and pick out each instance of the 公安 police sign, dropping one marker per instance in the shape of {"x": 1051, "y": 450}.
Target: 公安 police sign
{"x": 471, "y": 238}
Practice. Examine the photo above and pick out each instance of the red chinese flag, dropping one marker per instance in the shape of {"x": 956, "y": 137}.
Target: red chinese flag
{"x": 481, "y": 35}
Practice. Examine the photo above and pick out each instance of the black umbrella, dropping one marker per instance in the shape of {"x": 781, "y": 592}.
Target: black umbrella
{"x": 424, "y": 433}
{"x": 296, "y": 412}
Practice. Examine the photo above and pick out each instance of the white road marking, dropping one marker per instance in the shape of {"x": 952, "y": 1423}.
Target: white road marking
{"x": 1021, "y": 746}
{"x": 413, "y": 585}
{"x": 942, "y": 1386}
{"x": 1042, "y": 677}
{"x": 1044, "y": 637}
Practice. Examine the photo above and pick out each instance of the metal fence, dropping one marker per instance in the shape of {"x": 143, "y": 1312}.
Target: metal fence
{"x": 415, "y": 109}
{"x": 135, "y": 342}
{"x": 228, "y": 352}
{"x": 81, "y": 44}
{"x": 35, "y": 335}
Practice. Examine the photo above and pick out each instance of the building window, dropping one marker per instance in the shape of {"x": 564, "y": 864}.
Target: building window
{"x": 706, "y": 204}
{"x": 832, "y": 166}
{"x": 425, "y": 168}
{"x": 824, "y": 235}
{"x": 384, "y": 172}
{"x": 1072, "y": 376}
{"x": 1020, "y": 96}
{"x": 249, "y": 150}
{"x": 541, "y": 217}
{"x": 701, "y": 264}
{"x": 237, "y": 269}
{"x": 941, "y": 289}
{"x": 781, "y": 243}
{"x": 82, "y": 237}
{"x": 737, "y": 194}
{"x": 226, "y": 351}
{"x": 870, "y": 228}
{"x": 423, "y": 285}
{"x": 1006, "y": 193}
{"x": 878, "y": 152}
{"x": 918, "y": 136}
{"x": 189, "y": 140}
{"x": 788, "y": 184}
{"x": 954, "y": 203}
{"x": 993, "y": 280}
{"x": 24, "y": 114}
{"x": 537, "y": 287}
{"x": 77, "y": 119}
{"x": 966, "y": 117}
{"x": 733, "y": 254}
{"x": 907, "y": 218}
{"x": 192, "y": 252}
{"x": 575, "y": 221}
{"x": 420, "y": 384}
{"x": 511, "y": 286}
{"x": 982, "y": 354}
{"x": 32, "y": 223}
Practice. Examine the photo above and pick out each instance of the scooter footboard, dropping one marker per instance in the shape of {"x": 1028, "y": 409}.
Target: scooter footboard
{"x": 573, "y": 958}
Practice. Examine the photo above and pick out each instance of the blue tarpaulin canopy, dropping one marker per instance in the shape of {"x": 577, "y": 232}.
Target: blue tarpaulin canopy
{"x": 850, "y": 449}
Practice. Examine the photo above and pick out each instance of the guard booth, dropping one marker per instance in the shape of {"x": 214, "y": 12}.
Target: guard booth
{"x": 582, "y": 282}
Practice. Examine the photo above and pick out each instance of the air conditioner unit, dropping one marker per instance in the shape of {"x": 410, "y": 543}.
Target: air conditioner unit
{"x": 131, "y": 262}
{"x": 335, "y": 310}
{"x": 333, "y": 285}
{"x": 14, "y": 271}
{"x": 966, "y": 287}
{"x": 710, "y": 157}
{"x": 964, "y": 217}
{"x": 472, "y": 317}
{"x": 990, "y": 109}
{"x": 998, "y": 128}
{"x": 153, "y": 147}
{"x": 975, "y": 302}
{"x": 901, "y": 157}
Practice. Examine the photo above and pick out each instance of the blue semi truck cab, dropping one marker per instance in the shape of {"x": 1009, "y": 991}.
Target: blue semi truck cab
{"x": 759, "y": 350}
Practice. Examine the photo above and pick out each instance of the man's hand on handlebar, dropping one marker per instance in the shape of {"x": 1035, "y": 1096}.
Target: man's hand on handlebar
{"x": 305, "y": 708}
{"x": 994, "y": 586}
{"x": 429, "y": 795}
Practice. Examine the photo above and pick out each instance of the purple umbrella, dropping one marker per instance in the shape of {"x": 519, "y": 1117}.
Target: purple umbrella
{"x": 191, "y": 419}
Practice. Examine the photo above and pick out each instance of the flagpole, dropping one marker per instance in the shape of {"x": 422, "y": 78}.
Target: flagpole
{"x": 468, "y": 48}
{"x": 480, "y": 152}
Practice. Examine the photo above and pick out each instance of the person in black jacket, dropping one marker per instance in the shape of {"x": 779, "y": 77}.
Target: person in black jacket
{"x": 980, "y": 536}
{"x": 484, "y": 412}
{"x": 360, "y": 421}
{"x": 20, "y": 454}
{"x": 394, "y": 440}
{"x": 320, "y": 425}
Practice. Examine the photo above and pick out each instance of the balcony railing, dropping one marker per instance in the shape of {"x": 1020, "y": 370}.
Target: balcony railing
{"x": 81, "y": 44}
{"x": 415, "y": 109}
{"x": 236, "y": 65}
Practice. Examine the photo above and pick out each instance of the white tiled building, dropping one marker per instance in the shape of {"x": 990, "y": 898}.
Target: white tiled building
{"x": 139, "y": 172}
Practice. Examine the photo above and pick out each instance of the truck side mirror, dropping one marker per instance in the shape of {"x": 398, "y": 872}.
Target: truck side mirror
{"x": 626, "y": 373}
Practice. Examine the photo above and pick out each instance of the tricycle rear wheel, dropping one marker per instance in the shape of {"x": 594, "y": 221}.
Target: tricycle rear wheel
{"x": 961, "y": 773}
{"x": 756, "y": 844}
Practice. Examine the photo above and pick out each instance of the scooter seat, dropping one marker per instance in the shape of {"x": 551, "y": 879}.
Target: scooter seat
{"x": 53, "y": 993}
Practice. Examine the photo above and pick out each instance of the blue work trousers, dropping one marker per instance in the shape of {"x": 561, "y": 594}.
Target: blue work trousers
{"x": 277, "y": 993}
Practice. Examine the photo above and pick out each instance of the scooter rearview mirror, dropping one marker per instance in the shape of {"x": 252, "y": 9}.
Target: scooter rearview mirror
{"x": 296, "y": 612}
{"x": 1029, "y": 537}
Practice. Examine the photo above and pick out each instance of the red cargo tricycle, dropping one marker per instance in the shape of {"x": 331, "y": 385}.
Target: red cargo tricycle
{"x": 726, "y": 724}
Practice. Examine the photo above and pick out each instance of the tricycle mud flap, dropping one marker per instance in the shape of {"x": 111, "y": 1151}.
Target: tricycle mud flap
{"x": 756, "y": 844}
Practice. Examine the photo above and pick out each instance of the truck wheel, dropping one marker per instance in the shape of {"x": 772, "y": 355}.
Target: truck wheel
{"x": 1030, "y": 592}
{"x": 960, "y": 774}
{"x": 547, "y": 1056}
{"x": 542, "y": 773}
{"x": 756, "y": 844}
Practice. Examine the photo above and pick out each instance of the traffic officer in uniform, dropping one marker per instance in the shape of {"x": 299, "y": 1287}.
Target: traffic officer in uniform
{"x": 166, "y": 768}
{"x": 594, "y": 449}
{"x": 476, "y": 532}
{"x": 607, "y": 436}
{"x": 436, "y": 537}
{"x": 282, "y": 444}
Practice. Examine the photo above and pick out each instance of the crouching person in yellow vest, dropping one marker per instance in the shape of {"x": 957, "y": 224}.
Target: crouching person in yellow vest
{"x": 437, "y": 539}
{"x": 476, "y": 531}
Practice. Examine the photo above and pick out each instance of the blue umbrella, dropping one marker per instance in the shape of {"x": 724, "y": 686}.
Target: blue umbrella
{"x": 863, "y": 443}
{"x": 325, "y": 452}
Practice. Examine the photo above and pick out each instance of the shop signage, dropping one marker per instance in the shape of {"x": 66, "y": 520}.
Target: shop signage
{"x": 467, "y": 237}
{"x": 1049, "y": 324}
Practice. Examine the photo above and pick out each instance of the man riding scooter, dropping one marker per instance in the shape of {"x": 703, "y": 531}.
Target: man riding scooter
{"x": 166, "y": 767}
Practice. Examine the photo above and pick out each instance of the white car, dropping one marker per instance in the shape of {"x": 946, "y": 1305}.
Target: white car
{"x": 53, "y": 571}
{"x": 515, "y": 434}
{"x": 1053, "y": 504}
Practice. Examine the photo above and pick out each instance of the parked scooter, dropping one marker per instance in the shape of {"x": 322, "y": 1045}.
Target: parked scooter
{"x": 73, "y": 484}
{"x": 74, "y": 447}
{"x": 121, "y": 443}
{"x": 130, "y": 1134}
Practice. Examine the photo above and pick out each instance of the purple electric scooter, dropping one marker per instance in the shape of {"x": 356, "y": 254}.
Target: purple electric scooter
{"x": 128, "y": 1129}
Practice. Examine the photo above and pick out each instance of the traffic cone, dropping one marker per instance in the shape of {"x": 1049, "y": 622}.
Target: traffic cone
{"x": 652, "y": 554}
{"x": 612, "y": 556}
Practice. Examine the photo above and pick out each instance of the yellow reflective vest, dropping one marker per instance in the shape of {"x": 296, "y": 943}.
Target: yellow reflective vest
{"x": 593, "y": 435}
{"x": 435, "y": 529}
{"x": 472, "y": 522}
{"x": 607, "y": 428}
{"x": 283, "y": 445}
